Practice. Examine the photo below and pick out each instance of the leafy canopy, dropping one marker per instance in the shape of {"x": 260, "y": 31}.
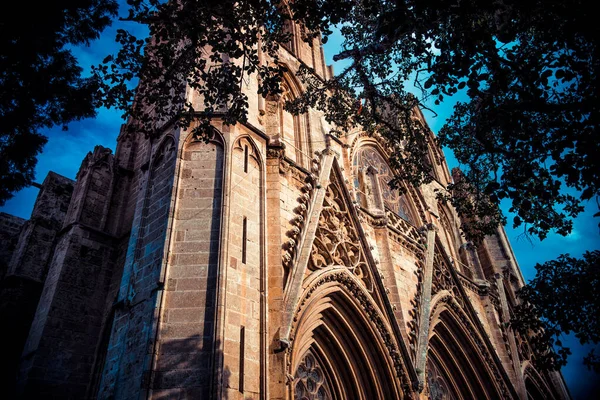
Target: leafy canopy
{"x": 40, "y": 81}
{"x": 527, "y": 135}
{"x": 563, "y": 297}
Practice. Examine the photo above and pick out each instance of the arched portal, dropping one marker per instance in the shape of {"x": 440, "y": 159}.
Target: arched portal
{"x": 342, "y": 347}
{"x": 535, "y": 384}
{"x": 533, "y": 391}
{"x": 455, "y": 363}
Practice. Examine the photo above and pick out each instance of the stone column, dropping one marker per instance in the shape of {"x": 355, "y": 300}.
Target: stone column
{"x": 423, "y": 336}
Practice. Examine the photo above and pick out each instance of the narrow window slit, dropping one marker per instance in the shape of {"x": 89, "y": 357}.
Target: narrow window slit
{"x": 246, "y": 158}
{"x": 244, "y": 239}
{"x": 242, "y": 356}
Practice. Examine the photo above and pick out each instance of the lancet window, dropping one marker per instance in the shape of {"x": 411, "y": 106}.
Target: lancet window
{"x": 289, "y": 129}
{"x": 372, "y": 183}
{"x": 289, "y": 29}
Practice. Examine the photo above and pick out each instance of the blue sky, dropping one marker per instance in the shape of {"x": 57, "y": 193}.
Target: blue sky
{"x": 65, "y": 151}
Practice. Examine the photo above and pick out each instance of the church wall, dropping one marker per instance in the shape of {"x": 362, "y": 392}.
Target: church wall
{"x": 186, "y": 337}
{"x": 169, "y": 279}
{"x": 63, "y": 340}
{"x": 127, "y": 370}
{"x": 407, "y": 278}
{"x": 22, "y": 285}
{"x": 37, "y": 235}
{"x": 62, "y": 343}
{"x": 10, "y": 228}
{"x": 243, "y": 315}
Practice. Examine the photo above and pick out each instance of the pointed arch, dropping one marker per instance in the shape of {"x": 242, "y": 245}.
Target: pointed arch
{"x": 457, "y": 355}
{"x": 290, "y": 27}
{"x": 372, "y": 174}
{"x": 213, "y": 135}
{"x": 283, "y": 127}
{"x": 535, "y": 384}
{"x": 340, "y": 327}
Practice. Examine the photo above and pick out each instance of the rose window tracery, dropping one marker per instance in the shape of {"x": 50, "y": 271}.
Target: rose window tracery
{"x": 309, "y": 381}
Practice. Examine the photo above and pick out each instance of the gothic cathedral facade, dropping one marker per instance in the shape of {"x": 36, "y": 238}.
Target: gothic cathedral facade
{"x": 271, "y": 262}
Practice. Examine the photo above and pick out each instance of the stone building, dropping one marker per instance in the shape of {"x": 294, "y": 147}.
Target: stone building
{"x": 271, "y": 262}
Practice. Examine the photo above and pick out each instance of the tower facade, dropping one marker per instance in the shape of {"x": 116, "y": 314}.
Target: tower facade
{"x": 272, "y": 261}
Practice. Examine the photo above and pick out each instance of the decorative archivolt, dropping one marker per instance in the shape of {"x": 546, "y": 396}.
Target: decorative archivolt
{"x": 448, "y": 313}
{"x": 535, "y": 384}
{"x": 350, "y": 346}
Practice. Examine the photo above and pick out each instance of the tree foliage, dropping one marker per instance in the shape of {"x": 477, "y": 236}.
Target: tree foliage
{"x": 528, "y": 134}
{"x": 40, "y": 81}
{"x": 563, "y": 298}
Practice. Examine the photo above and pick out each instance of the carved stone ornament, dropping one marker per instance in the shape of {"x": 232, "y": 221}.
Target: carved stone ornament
{"x": 399, "y": 224}
{"x": 336, "y": 241}
{"x": 443, "y": 280}
{"x": 309, "y": 380}
{"x": 277, "y": 151}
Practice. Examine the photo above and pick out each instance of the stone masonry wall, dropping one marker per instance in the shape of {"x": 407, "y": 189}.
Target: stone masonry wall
{"x": 126, "y": 370}
{"x": 241, "y": 347}
{"x": 10, "y": 227}
{"x": 61, "y": 348}
{"x": 22, "y": 285}
{"x": 59, "y": 355}
{"x": 186, "y": 341}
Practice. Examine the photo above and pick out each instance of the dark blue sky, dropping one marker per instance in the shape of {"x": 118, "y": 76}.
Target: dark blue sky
{"x": 65, "y": 151}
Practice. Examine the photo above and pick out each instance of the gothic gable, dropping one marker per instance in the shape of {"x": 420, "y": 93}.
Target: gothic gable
{"x": 331, "y": 261}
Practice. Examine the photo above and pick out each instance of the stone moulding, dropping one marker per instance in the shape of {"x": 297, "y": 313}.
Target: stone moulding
{"x": 366, "y": 306}
{"x": 446, "y": 300}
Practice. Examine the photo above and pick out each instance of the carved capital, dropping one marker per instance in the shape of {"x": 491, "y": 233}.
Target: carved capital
{"x": 429, "y": 227}
{"x": 276, "y": 151}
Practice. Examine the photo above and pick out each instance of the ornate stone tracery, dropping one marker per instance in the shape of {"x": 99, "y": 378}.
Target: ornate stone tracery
{"x": 309, "y": 380}
{"x": 437, "y": 386}
{"x": 337, "y": 241}
{"x": 443, "y": 279}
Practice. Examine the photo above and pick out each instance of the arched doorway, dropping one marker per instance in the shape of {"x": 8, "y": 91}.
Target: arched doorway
{"x": 455, "y": 360}
{"x": 342, "y": 346}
